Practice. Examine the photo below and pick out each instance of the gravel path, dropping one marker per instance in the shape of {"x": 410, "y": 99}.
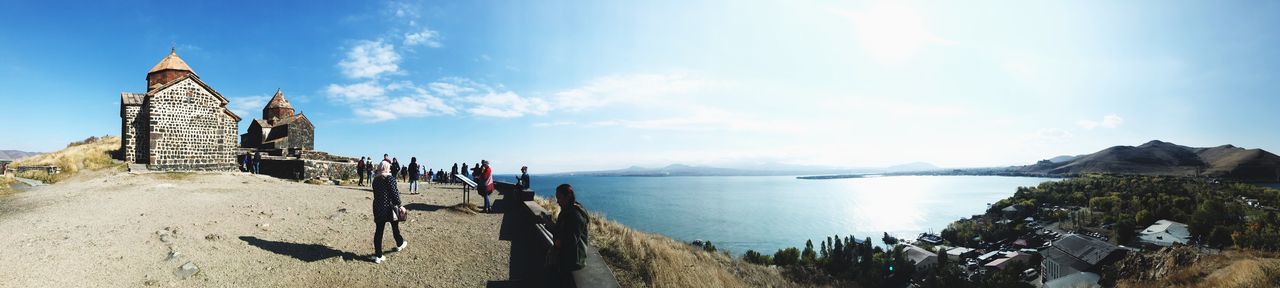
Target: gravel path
{"x": 114, "y": 229}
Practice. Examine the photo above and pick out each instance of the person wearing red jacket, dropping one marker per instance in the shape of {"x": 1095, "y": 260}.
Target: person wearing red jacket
{"x": 486, "y": 175}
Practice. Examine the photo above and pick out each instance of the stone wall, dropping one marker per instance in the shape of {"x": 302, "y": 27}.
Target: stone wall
{"x": 301, "y": 134}
{"x": 129, "y": 133}
{"x": 303, "y": 169}
{"x": 322, "y": 156}
{"x": 328, "y": 169}
{"x": 189, "y": 129}
{"x": 142, "y": 136}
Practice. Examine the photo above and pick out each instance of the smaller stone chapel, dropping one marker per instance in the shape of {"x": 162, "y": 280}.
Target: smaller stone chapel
{"x": 279, "y": 130}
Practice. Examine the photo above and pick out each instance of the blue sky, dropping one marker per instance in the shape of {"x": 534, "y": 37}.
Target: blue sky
{"x": 580, "y": 85}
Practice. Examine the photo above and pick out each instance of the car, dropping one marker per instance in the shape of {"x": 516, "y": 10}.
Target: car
{"x": 1030, "y": 274}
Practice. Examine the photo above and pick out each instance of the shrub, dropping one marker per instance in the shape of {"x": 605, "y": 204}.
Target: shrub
{"x": 786, "y": 257}
{"x": 754, "y": 257}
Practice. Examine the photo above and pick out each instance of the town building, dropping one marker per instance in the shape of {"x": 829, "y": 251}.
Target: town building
{"x": 923, "y": 259}
{"x": 1010, "y": 211}
{"x": 279, "y": 130}
{"x": 1074, "y": 254}
{"x": 1165, "y": 233}
{"x": 1077, "y": 280}
{"x": 1009, "y": 259}
{"x": 179, "y": 123}
{"x": 960, "y": 253}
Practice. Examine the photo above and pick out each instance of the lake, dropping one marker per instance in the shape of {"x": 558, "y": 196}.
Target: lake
{"x": 773, "y": 212}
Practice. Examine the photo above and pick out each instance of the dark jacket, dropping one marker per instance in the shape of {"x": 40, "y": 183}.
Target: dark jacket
{"x": 386, "y": 196}
{"x": 395, "y": 168}
{"x": 571, "y": 231}
{"x": 414, "y": 171}
{"x": 523, "y": 181}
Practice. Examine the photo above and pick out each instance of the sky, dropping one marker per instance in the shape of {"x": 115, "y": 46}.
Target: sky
{"x": 587, "y": 85}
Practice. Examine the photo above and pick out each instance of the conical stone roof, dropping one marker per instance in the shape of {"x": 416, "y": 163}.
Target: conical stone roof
{"x": 171, "y": 62}
{"x": 278, "y": 101}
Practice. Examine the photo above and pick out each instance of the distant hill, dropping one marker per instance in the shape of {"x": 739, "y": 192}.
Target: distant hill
{"x": 1164, "y": 158}
{"x": 1063, "y": 158}
{"x": 15, "y": 154}
{"x": 755, "y": 170}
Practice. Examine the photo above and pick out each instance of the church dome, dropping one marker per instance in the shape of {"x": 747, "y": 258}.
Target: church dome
{"x": 169, "y": 68}
{"x": 171, "y": 62}
{"x": 278, "y": 108}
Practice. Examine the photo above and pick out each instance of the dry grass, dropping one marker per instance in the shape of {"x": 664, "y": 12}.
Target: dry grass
{"x": 6, "y": 183}
{"x": 92, "y": 154}
{"x": 642, "y": 259}
{"x": 465, "y": 208}
{"x": 1230, "y": 269}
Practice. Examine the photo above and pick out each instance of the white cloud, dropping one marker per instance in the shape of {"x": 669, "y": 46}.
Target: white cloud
{"x": 374, "y": 115}
{"x": 375, "y": 101}
{"x": 628, "y": 89}
{"x": 452, "y": 87}
{"x": 1112, "y": 121}
{"x": 245, "y": 106}
{"x": 702, "y": 119}
{"x": 356, "y": 92}
{"x": 1053, "y": 134}
{"x": 370, "y": 59}
{"x": 554, "y": 124}
{"x": 507, "y": 105}
{"x": 1109, "y": 121}
{"x": 427, "y": 37}
{"x": 372, "y": 101}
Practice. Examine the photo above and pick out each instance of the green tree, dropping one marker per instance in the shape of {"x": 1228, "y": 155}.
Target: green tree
{"x": 786, "y": 257}
{"x": 1123, "y": 232}
{"x": 836, "y": 263}
{"x": 1143, "y": 218}
{"x": 756, "y": 258}
{"x": 808, "y": 257}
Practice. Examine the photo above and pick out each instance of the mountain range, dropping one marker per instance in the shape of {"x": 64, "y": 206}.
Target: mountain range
{"x": 15, "y": 154}
{"x": 1163, "y": 158}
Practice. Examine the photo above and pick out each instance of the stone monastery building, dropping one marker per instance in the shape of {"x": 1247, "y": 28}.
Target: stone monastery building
{"x": 279, "y": 129}
{"x": 180, "y": 123}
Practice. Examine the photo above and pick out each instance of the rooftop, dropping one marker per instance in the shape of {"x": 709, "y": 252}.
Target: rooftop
{"x": 917, "y": 254}
{"x": 1165, "y": 233}
{"x": 171, "y": 62}
{"x": 278, "y": 101}
{"x": 1083, "y": 248}
{"x": 128, "y": 98}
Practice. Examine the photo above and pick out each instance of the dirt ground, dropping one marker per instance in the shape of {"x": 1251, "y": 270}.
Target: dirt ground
{"x": 116, "y": 229}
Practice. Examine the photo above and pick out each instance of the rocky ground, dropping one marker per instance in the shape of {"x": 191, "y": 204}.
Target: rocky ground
{"x": 116, "y": 229}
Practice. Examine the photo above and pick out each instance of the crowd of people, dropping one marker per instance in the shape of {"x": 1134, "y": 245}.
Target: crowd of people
{"x": 570, "y": 232}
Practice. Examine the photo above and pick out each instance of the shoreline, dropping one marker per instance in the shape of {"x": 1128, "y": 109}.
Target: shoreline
{"x": 620, "y": 204}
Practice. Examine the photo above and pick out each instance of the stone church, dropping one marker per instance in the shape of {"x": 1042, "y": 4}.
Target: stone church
{"x": 180, "y": 123}
{"x": 279, "y": 130}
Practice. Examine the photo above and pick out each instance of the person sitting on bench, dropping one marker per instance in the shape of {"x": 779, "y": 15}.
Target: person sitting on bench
{"x": 569, "y": 251}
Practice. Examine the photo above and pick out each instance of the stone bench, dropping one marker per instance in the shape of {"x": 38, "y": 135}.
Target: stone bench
{"x": 595, "y": 272}
{"x": 508, "y": 188}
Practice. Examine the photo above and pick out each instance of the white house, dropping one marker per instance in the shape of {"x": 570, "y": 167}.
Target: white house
{"x": 1165, "y": 233}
